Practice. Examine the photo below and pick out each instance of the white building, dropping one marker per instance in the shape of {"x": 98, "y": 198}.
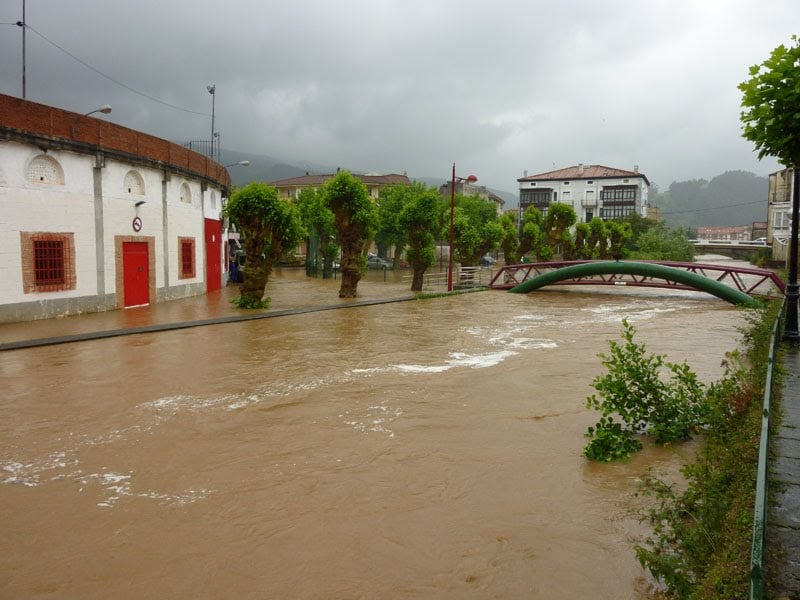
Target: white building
{"x": 592, "y": 190}
{"x": 96, "y": 216}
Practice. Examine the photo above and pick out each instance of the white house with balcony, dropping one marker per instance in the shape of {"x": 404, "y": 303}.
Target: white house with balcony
{"x": 592, "y": 190}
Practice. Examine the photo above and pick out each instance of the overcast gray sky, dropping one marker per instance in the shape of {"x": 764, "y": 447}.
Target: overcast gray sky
{"x": 410, "y": 85}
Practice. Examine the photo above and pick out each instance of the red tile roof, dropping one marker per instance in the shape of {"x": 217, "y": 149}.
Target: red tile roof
{"x": 584, "y": 172}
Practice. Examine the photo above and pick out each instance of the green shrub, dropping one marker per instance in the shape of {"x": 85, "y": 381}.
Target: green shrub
{"x": 247, "y": 302}
{"x": 633, "y": 390}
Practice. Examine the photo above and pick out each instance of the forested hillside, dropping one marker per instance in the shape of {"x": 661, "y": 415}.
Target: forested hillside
{"x": 733, "y": 198}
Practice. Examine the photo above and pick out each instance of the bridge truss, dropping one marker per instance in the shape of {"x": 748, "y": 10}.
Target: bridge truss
{"x": 751, "y": 281}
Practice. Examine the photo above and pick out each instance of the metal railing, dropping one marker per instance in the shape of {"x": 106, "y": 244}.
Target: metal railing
{"x": 760, "y": 510}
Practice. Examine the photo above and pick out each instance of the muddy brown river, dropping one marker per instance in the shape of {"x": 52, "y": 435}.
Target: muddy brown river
{"x": 425, "y": 449}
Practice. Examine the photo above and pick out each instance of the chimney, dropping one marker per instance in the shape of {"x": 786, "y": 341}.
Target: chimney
{"x": 580, "y": 168}
{"x": 635, "y": 168}
{"x": 525, "y": 173}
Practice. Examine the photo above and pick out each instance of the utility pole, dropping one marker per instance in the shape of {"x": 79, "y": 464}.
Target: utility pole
{"x": 22, "y": 24}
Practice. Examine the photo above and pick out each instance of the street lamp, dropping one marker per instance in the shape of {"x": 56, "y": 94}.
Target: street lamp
{"x": 212, "y": 89}
{"x": 105, "y": 109}
{"x": 469, "y": 179}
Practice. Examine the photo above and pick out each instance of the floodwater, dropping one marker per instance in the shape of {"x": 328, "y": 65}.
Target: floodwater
{"x": 424, "y": 449}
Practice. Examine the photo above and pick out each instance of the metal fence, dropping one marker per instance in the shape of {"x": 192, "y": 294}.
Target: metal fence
{"x": 760, "y": 511}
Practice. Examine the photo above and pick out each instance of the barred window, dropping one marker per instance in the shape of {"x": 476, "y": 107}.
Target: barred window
{"x": 45, "y": 169}
{"x": 186, "y": 262}
{"x": 48, "y": 262}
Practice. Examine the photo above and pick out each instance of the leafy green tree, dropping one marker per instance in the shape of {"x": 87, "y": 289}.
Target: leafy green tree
{"x": 269, "y": 226}
{"x": 770, "y": 99}
{"x": 510, "y": 240}
{"x": 419, "y": 222}
{"x": 598, "y": 238}
{"x": 318, "y": 221}
{"x": 660, "y": 243}
{"x": 532, "y": 236}
{"x": 356, "y": 220}
{"x": 771, "y": 119}
{"x": 560, "y": 217}
{"x": 391, "y": 201}
{"x": 618, "y": 233}
{"x": 477, "y": 228}
{"x": 582, "y": 235}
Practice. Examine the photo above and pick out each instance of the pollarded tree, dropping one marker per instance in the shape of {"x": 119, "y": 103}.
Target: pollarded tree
{"x": 560, "y": 217}
{"x": 269, "y": 226}
{"x": 419, "y": 222}
{"x": 771, "y": 119}
{"x": 477, "y": 228}
{"x": 532, "y": 238}
{"x": 598, "y": 238}
{"x": 391, "y": 201}
{"x": 318, "y": 221}
{"x": 618, "y": 233}
{"x": 356, "y": 220}
{"x": 510, "y": 241}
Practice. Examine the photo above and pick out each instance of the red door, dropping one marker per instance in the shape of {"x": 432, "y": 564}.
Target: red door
{"x": 135, "y": 273}
{"x": 213, "y": 255}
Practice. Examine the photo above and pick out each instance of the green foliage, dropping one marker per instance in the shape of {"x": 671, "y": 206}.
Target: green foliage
{"x": 659, "y": 243}
{"x": 318, "y": 220}
{"x": 269, "y": 226}
{"x": 618, "y": 233}
{"x": 700, "y": 546}
{"x": 419, "y": 221}
{"x": 532, "y": 237}
{"x": 560, "y": 217}
{"x": 510, "y": 240}
{"x": 249, "y": 302}
{"x": 356, "y": 220}
{"x": 634, "y": 390}
{"x": 727, "y": 199}
{"x": 477, "y": 228}
{"x": 390, "y": 203}
{"x": 770, "y": 99}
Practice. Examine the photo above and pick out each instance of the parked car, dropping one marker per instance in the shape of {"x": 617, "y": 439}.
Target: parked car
{"x": 487, "y": 260}
{"x": 376, "y": 262}
{"x": 761, "y": 241}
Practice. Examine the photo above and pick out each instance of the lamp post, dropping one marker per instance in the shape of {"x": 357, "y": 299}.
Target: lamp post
{"x": 469, "y": 179}
{"x": 212, "y": 89}
{"x": 22, "y": 24}
{"x": 790, "y": 330}
{"x": 105, "y": 109}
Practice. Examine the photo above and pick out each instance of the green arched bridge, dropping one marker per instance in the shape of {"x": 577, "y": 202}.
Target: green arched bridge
{"x": 737, "y": 285}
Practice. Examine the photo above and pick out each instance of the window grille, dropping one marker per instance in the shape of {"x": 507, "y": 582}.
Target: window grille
{"x": 186, "y": 258}
{"x": 49, "y": 263}
{"x": 44, "y": 169}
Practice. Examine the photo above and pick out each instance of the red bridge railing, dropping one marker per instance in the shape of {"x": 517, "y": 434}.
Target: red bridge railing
{"x": 751, "y": 281}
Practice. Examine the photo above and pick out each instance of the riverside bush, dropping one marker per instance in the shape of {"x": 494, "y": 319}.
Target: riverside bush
{"x": 634, "y": 390}
{"x": 701, "y": 540}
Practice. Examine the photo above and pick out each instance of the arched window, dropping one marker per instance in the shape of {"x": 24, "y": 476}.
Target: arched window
{"x": 45, "y": 169}
{"x": 186, "y": 193}
{"x": 134, "y": 183}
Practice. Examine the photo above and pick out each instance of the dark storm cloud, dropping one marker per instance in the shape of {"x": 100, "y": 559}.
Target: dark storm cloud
{"x": 414, "y": 85}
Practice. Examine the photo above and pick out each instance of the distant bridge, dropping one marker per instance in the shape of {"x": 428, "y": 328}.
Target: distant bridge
{"x": 729, "y": 248}
{"x": 734, "y": 284}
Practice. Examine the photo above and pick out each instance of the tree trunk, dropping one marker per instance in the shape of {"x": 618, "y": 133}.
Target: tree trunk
{"x": 351, "y": 274}
{"x": 417, "y": 280}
